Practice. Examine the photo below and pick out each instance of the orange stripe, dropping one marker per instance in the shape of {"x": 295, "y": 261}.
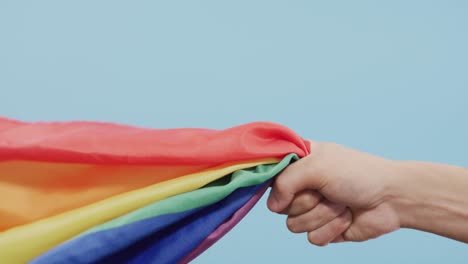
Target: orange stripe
{"x": 36, "y": 190}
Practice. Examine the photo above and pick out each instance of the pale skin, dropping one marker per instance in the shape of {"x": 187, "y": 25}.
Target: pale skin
{"x": 338, "y": 194}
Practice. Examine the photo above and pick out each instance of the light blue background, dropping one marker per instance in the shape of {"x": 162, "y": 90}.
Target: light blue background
{"x": 387, "y": 77}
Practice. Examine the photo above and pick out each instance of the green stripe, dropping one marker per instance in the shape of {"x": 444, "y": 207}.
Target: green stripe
{"x": 210, "y": 194}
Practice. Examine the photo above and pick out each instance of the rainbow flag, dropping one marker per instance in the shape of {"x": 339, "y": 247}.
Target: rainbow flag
{"x": 87, "y": 192}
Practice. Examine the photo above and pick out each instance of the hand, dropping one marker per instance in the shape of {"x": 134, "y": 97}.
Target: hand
{"x": 336, "y": 194}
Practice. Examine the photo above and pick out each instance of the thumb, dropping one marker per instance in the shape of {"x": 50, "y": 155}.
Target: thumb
{"x": 296, "y": 177}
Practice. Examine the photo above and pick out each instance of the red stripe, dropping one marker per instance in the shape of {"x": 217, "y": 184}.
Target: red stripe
{"x": 106, "y": 143}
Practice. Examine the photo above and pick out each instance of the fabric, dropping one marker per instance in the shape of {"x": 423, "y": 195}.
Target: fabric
{"x": 225, "y": 227}
{"x": 47, "y": 233}
{"x": 130, "y": 228}
{"x": 167, "y": 238}
{"x": 173, "y": 244}
{"x": 59, "y": 187}
{"x": 69, "y": 181}
{"x": 105, "y": 143}
{"x": 53, "y": 164}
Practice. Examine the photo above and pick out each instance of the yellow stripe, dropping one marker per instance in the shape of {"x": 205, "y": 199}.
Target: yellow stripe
{"x": 23, "y": 243}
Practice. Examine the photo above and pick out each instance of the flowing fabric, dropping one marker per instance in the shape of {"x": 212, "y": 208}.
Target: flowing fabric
{"x": 173, "y": 244}
{"x": 128, "y": 229}
{"x": 225, "y": 227}
{"x": 84, "y": 192}
{"x": 47, "y": 233}
{"x": 164, "y": 238}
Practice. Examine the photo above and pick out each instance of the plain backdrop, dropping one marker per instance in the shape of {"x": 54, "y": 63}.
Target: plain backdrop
{"x": 386, "y": 77}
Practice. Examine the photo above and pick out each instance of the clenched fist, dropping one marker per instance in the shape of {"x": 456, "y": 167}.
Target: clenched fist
{"x": 339, "y": 194}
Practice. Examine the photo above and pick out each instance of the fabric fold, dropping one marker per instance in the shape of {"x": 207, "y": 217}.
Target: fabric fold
{"x": 45, "y": 234}
{"x": 130, "y": 228}
{"x": 100, "y": 192}
{"x": 48, "y": 168}
{"x": 106, "y": 143}
{"x": 225, "y": 227}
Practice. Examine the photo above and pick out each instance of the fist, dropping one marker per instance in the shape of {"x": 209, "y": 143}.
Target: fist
{"x": 336, "y": 194}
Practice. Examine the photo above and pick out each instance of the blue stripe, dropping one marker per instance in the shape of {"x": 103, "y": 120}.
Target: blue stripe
{"x": 161, "y": 239}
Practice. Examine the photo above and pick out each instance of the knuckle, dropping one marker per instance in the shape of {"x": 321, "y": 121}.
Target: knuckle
{"x": 334, "y": 209}
{"x": 304, "y": 202}
{"x": 301, "y": 203}
{"x": 347, "y": 217}
{"x": 312, "y": 198}
{"x": 337, "y": 228}
{"x": 352, "y": 234}
{"x": 281, "y": 183}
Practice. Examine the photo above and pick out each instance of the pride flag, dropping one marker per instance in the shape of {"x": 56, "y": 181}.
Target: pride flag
{"x": 88, "y": 192}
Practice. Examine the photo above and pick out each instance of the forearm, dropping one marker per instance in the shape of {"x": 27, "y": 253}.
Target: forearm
{"x": 432, "y": 197}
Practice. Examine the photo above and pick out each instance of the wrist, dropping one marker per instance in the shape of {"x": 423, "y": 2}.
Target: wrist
{"x": 405, "y": 193}
{"x": 427, "y": 196}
